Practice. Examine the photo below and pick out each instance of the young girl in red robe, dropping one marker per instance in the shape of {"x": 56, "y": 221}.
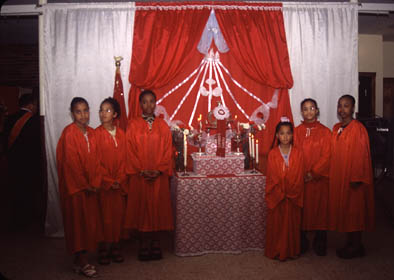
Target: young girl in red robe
{"x": 111, "y": 146}
{"x": 149, "y": 164}
{"x": 351, "y": 194}
{"x": 313, "y": 139}
{"x": 284, "y": 196}
{"x": 79, "y": 179}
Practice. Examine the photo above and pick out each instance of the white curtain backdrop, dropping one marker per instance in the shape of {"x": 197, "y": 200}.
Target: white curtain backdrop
{"x": 323, "y": 48}
{"x": 80, "y": 42}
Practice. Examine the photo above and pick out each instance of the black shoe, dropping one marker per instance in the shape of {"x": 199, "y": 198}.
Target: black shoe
{"x": 351, "y": 253}
{"x": 155, "y": 251}
{"x": 320, "y": 243}
{"x": 304, "y": 243}
{"x": 144, "y": 255}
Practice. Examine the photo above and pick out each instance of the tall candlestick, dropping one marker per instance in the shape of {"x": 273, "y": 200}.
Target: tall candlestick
{"x": 184, "y": 151}
{"x": 257, "y": 151}
{"x": 250, "y": 144}
{"x": 253, "y": 155}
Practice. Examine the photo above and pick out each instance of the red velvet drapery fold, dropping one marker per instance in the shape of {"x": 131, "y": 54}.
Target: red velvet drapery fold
{"x": 164, "y": 40}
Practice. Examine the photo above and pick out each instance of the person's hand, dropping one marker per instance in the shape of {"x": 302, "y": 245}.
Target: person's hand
{"x": 90, "y": 190}
{"x": 115, "y": 186}
{"x": 308, "y": 177}
{"x": 150, "y": 175}
{"x": 355, "y": 184}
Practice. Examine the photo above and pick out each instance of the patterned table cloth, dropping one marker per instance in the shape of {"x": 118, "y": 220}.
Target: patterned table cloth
{"x": 218, "y": 214}
{"x": 212, "y": 164}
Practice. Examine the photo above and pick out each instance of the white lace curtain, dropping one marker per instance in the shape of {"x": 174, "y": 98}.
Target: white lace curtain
{"x": 80, "y": 42}
{"x": 323, "y": 49}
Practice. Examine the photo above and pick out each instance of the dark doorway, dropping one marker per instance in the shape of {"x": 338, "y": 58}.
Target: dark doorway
{"x": 366, "y": 95}
{"x": 388, "y": 98}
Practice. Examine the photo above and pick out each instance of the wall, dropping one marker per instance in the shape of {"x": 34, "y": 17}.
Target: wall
{"x": 19, "y": 65}
{"x": 388, "y": 59}
{"x": 370, "y": 59}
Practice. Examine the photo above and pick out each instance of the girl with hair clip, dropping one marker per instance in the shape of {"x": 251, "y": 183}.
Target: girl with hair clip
{"x": 111, "y": 146}
{"x": 313, "y": 139}
{"x": 284, "y": 195}
{"x": 351, "y": 192}
{"x": 79, "y": 179}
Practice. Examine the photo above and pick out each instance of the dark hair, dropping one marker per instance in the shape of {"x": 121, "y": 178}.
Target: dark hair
{"x": 278, "y": 126}
{"x": 348, "y": 96}
{"x": 114, "y": 103}
{"x": 313, "y": 101}
{"x": 146, "y": 92}
{"x": 77, "y": 100}
{"x": 26, "y": 99}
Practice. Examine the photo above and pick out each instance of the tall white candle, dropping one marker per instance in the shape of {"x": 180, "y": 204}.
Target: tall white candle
{"x": 250, "y": 145}
{"x": 257, "y": 151}
{"x": 184, "y": 150}
{"x": 253, "y": 155}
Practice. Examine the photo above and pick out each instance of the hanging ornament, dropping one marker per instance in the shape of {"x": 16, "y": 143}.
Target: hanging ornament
{"x": 221, "y": 112}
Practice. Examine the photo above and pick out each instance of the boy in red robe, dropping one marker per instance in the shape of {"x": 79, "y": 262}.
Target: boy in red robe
{"x": 79, "y": 178}
{"x": 313, "y": 139}
{"x": 149, "y": 164}
{"x": 284, "y": 196}
{"x": 351, "y": 194}
{"x": 111, "y": 146}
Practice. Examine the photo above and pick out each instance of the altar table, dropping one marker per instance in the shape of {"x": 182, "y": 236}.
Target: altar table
{"x": 224, "y": 214}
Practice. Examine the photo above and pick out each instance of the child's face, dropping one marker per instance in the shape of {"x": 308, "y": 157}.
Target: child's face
{"x": 148, "y": 104}
{"x": 81, "y": 114}
{"x": 345, "y": 108}
{"x": 309, "y": 111}
{"x": 107, "y": 113}
{"x": 285, "y": 135}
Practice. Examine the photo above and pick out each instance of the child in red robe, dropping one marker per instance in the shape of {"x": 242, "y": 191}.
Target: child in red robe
{"x": 149, "y": 164}
{"x": 79, "y": 179}
{"x": 313, "y": 139}
{"x": 111, "y": 146}
{"x": 351, "y": 194}
{"x": 284, "y": 196}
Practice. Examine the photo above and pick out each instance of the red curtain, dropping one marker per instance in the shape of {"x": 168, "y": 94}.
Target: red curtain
{"x": 258, "y": 49}
{"x": 165, "y": 53}
{"x": 164, "y": 41}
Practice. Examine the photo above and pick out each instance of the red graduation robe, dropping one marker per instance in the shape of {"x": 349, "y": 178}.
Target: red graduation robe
{"x": 284, "y": 197}
{"x": 313, "y": 139}
{"x": 351, "y": 208}
{"x": 149, "y": 203}
{"x": 112, "y": 154}
{"x": 78, "y": 168}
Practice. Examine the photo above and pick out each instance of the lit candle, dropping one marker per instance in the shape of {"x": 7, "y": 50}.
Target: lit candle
{"x": 199, "y": 122}
{"x": 257, "y": 151}
{"x": 253, "y": 155}
{"x": 250, "y": 144}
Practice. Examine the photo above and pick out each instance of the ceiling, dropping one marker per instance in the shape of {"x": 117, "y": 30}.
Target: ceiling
{"x": 23, "y": 29}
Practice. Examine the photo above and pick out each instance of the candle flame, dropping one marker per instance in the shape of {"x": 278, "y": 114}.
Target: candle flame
{"x": 199, "y": 118}
{"x": 235, "y": 117}
{"x": 257, "y": 141}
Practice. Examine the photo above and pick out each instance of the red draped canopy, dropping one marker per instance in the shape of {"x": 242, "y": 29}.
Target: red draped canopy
{"x": 165, "y": 53}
